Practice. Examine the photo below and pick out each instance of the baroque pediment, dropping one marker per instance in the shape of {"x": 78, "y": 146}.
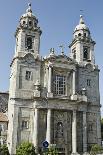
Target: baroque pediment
{"x": 64, "y": 59}
{"x": 28, "y": 59}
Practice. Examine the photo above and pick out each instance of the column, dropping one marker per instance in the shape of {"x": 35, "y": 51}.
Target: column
{"x": 48, "y": 132}
{"x": 73, "y": 82}
{"x": 49, "y": 79}
{"x": 74, "y": 134}
{"x": 84, "y": 133}
{"x": 36, "y": 119}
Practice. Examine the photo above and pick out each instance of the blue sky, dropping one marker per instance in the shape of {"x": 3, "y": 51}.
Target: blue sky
{"x": 57, "y": 19}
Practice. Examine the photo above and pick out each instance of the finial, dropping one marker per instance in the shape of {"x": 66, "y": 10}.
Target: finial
{"x": 29, "y": 8}
{"x": 81, "y": 21}
{"x": 29, "y": 4}
{"x": 52, "y": 52}
{"x": 62, "y": 49}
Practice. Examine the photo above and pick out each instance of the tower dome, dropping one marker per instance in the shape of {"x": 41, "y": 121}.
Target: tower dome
{"x": 81, "y": 30}
{"x": 28, "y": 21}
{"x": 81, "y": 25}
{"x": 28, "y": 12}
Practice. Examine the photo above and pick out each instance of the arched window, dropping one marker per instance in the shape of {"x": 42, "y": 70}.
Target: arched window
{"x": 85, "y": 53}
{"x": 29, "y": 42}
{"x": 79, "y": 34}
{"x": 30, "y": 23}
{"x": 84, "y": 34}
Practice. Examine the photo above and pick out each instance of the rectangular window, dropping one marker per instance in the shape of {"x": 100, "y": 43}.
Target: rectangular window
{"x": 25, "y": 124}
{"x": 59, "y": 85}
{"x": 88, "y": 82}
{"x": 28, "y": 75}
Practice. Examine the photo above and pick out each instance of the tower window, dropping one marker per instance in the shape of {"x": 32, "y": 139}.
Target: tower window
{"x": 74, "y": 53}
{"x": 35, "y": 24}
{"x": 59, "y": 85}
{"x": 88, "y": 82}
{"x": 84, "y": 34}
{"x": 23, "y": 22}
{"x": 28, "y": 75}
{"x": 29, "y": 43}
{"x": 79, "y": 34}
{"x": 30, "y": 23}
{"x": 85, "y": 53}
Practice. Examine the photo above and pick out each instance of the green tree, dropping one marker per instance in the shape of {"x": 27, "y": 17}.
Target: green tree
{"x": 4, "y": 150}
{"x": 102, "y": 129}
{"x": 96, "y": 149}
{"x": 25, "y": 148}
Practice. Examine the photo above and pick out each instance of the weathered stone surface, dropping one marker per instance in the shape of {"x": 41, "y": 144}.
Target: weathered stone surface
{"x": 56, "y": 98}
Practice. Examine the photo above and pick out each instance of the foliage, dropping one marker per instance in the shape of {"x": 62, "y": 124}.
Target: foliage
{"x": 102, "y": 129}
{"x": 4, "y": 150}
{"x": 25, "y": 148}
{"x": 50, "y": 151}
{"x": 96, "y": 149}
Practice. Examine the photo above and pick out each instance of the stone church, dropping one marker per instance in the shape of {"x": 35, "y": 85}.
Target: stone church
{"x": 55, "y": 98}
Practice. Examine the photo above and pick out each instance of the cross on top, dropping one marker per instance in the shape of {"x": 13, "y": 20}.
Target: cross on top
{"x": 62, "y": 49}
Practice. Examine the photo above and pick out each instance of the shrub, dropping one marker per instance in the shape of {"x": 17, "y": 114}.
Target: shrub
{"x": 50, "y": 151}
{"x": 25, "y": 148}
{"x": 96, "y": 149}
{"x": 4, "y": 150}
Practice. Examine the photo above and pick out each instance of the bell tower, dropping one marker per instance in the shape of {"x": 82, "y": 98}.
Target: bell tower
{"x": 28, "y": 35}
{"x": 25, "y": 72}
{"x": 82, "y": 45}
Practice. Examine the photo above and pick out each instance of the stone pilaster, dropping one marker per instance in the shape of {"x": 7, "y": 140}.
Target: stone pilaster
{"x": 98, "y": 128}
{"x": 84, "y": 133}
{"x": 36, "y": 119}
{"x": 73, "y": 82}
{"x": 74, "y": 96}
{"x": 48, "y": 132}
{"x": 12, "y": 139}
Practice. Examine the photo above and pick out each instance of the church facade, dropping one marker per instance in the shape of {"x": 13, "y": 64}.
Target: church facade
{"x": 55, "y": 98}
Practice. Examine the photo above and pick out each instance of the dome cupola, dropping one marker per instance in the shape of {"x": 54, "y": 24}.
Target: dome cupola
{"x": 28, "y": 20}
{"x": 81, "y": 30}
{"x": 81, "y": 25}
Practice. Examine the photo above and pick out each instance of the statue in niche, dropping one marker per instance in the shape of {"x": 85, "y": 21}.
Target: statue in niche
{"x": 59, "y": 130}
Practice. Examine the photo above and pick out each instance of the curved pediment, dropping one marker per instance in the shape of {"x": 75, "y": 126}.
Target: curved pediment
{"x": 64, "y": 59}
{"x": 89, "y": 66}
{"x": 28, "y": 58}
